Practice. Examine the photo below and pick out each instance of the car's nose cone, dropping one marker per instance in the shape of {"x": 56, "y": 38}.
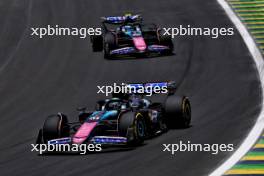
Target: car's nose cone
{"x": 139, "y": 43}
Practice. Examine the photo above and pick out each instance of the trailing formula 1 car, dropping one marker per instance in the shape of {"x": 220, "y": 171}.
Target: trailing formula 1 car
{"x": 125, "y": 119}
{"x": 130, "y": 37}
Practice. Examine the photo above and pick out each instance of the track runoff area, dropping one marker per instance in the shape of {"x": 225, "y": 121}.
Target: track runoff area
{"x": 251, "y": 14}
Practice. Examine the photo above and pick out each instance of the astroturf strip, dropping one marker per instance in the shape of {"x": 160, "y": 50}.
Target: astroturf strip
{"x": 253, "y": 19}
{"x": 252, "y": 15}
{"x": 256, "y": 27}
{"x": 251, "y": 162}
{"x": 261, "y": 141}
{"x": 233, "y": 174}
{"x": 246, "y": 3}
{"x": 249, "y": 166}
{"x": 259, "y": 29}
{"x": 246, "y": 11}
{"x": 255, "y": 154}
{"x": 257, "y": 150}
{"x": 243, "y": 0}
{"x": 254, "y": 22}
{"x": 257, "y": 32}
{"x": 248, "y": 8}
{"x": 239, "y": 172}
{"x": 259, "y": 36}
{"x": 252, "y": 6}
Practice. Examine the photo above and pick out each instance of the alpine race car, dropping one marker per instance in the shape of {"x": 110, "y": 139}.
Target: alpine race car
{"x": 125, "y": 119}
{"x": 127, "y": 35}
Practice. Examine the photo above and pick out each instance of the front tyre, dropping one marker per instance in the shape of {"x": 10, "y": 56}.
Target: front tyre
{"x": 178, "y": 111}
{"x": 109, "y": 44}
{"x": 97, "y": 43}
{"x": 55, "y": 127}
{"x": 107, "y": 51}
{"x": 132, "y": 126}
{"x": 166, "y": 40}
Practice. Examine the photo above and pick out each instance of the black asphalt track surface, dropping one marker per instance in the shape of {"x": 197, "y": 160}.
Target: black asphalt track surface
{"x": 39, "y": 77}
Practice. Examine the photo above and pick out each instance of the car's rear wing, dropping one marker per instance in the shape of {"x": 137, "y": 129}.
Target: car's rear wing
{"x": 121, "y": 19}
{"x": 168, "y": 87}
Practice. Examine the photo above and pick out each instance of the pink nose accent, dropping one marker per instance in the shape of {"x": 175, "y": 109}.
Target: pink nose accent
{"x": 139, "y": 43}
{"x": 83, "y": 132}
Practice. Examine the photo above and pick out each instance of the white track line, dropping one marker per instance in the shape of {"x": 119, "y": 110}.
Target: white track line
{"x": 259, "y": 125}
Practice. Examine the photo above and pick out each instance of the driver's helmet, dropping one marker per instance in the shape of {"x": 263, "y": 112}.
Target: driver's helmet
{"x": 115, "y": 104}
{"x": 136, "y": 102}
{"x": 128, "y": 15}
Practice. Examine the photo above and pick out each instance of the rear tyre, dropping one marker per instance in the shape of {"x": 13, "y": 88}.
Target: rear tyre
{"x": 178, "y": 112}
{"x": 109, "y": 44}
{"x": 132, "y": 126}
{"x": 97, "y": 43}
{"x": 55, "y": 127}
{"x": 107, "y": 51}
{"x": 40, "y": 137}
{"x": 167, "y": 41}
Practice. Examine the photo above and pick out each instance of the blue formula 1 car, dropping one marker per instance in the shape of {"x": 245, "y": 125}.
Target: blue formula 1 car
{"x": 125, "y": 119}
{"x": 128, "y": 36}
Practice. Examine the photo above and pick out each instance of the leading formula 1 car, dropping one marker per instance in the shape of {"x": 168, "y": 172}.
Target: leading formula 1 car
{"x": 125, "y": 119}
{"x": 130, "y": 37}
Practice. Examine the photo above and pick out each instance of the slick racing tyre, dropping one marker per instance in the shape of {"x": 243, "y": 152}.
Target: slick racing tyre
{"x": 132, "y": 126}
{"x": 55, "y": 126}
{"x": 109, "y": 44}
{"x": 177, "y": 111}
{"x": 97, "y": 43}
{"x": 166, "y": 40}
